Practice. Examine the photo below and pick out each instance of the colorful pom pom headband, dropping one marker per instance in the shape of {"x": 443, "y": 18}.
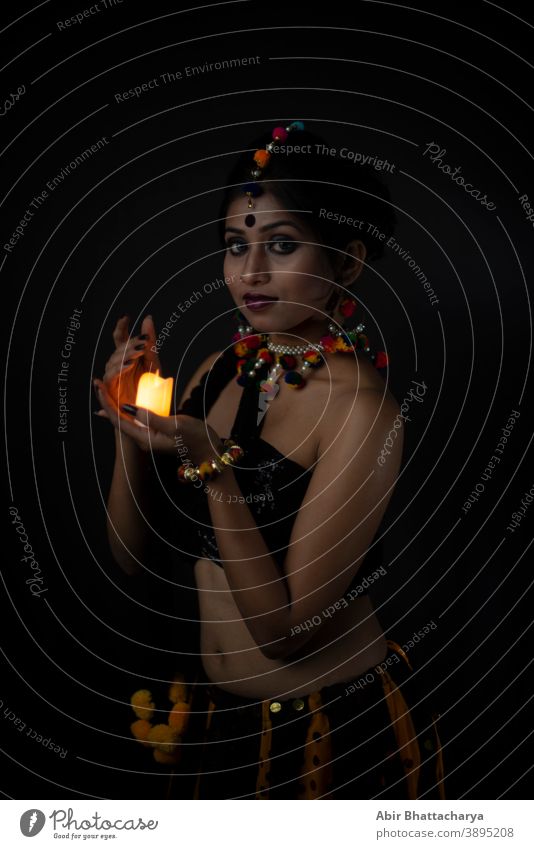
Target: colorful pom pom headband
{"x": 262, "y": 157}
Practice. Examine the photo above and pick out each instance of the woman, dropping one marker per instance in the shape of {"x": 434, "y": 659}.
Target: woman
{"x": 299, "y": 695}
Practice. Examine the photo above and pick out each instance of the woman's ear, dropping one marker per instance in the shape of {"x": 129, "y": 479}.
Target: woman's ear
{"x": 353, "y": 262}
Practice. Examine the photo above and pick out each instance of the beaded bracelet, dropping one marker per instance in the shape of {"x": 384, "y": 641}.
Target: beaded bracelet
{"x": 210, "y": 469}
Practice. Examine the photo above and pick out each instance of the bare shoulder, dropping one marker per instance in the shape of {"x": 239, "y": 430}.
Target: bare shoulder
{"x": 195, "y": 379}
{"x": 362, "y": 409}
{"x": 358, "y": 380}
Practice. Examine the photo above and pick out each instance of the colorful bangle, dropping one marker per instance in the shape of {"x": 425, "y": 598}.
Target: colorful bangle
{"x": 210, "y": 469}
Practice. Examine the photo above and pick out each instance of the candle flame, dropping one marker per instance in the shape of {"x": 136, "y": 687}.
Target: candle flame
{"x": 155, "y": 392}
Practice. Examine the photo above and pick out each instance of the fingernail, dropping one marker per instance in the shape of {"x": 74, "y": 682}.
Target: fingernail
{"x": 97, "y": 413}
{"x": 139, "y": 347}
{"x": 129, "y": 408}
{"x": 143, "y": 336}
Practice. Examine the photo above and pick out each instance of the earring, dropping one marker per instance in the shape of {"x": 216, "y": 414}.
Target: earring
{"x": 244, "y": 328}
{"x": 347, "y": 307}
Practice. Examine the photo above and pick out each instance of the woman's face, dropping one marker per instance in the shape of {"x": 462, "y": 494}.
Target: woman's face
{"x": 279, "y": 277}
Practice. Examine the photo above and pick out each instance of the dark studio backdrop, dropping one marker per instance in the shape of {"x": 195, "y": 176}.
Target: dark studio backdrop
{"x": 132, "y": 229}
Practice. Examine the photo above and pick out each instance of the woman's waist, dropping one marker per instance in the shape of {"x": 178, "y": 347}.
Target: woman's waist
{"x": 362, "y": 689}
{"x": 234, "y": 663}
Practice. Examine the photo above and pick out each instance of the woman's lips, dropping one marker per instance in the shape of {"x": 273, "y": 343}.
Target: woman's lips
{"x": 258, "y": 302}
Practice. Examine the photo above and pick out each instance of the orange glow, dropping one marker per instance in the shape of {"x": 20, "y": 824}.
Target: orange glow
{"x": 154, "y": 393}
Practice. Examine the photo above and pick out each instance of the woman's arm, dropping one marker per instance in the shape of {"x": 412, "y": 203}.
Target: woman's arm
{"x": 345, "y": 501}
{"x": 127, "y": 505}
{"x": 132, "y": 499}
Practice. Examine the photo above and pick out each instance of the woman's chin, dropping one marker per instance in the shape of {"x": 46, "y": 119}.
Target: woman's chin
{"x": 270, "y": 320}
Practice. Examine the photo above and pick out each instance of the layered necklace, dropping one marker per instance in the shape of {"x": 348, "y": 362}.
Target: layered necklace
{"x": 261, "y": 361}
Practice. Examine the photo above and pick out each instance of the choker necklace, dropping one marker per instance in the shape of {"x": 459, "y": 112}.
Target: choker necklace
{"x": 262, "y": 362}
{"x": 293, "y": 350}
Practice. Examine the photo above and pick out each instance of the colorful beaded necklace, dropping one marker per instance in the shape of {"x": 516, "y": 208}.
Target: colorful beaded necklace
{"x": 262, "y": 362}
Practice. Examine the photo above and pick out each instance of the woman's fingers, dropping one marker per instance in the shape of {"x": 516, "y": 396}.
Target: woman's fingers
{"x": 147, "y": 439}
{"x": 166, "y": 425}
{"x": 136, "y": 347}
{"x": 116, "y": 417}
{"x": 124, "y": 357}
{"x": 106, "y": 401}
{"x": 120, "y": 333}
{"x": 148, "y": 327}
{"x": 112, "y": 370}
{"x": 151, "y": 357}
{"x": 132, "y": 347}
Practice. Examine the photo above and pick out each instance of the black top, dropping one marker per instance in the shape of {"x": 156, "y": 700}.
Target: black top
{"x": 272, "y": 485}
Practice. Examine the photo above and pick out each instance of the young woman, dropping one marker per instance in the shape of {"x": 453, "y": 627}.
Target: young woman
{"x": 300, "y": 695}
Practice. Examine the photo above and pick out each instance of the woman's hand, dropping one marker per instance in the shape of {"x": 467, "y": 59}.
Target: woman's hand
{"x": 189, "y": 439}
{"x": 132, "y": 357}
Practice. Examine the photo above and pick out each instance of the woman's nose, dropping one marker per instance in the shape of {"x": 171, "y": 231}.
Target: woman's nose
{"x": 256, "y": 266}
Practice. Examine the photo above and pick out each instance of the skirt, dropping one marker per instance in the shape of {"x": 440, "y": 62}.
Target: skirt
{"x": 373, "y": 738}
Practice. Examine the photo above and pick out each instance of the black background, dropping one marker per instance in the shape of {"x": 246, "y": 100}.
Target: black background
{"x": 133, "y": 229}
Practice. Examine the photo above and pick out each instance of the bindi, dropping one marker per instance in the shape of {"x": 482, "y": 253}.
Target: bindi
{"x": 250, "y": 220}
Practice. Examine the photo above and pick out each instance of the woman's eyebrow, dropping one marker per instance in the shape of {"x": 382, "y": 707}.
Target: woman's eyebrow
{"x": 266, "y": 226}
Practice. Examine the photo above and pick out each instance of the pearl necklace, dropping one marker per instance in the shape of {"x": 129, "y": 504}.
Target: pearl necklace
{"x": 293, "y": 350}
{"x": 280, "y": 358}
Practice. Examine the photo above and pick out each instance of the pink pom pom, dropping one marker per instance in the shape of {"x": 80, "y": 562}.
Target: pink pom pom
{"x": 381, "y": 360}
{"x": 280, "y": 133}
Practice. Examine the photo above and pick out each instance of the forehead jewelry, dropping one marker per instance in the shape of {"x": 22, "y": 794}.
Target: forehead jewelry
{"x": 262, "y": 157}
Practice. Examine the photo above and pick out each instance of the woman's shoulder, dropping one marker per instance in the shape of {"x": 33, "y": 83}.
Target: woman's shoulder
{"x": 360, "y": 400}
{"x": 349, "y": 374}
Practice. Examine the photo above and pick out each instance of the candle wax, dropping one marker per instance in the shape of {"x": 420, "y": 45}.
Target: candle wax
{"x": 154, "y": 393}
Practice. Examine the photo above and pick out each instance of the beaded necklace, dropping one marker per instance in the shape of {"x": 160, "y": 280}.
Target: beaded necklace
{"x": 263, "y": 362}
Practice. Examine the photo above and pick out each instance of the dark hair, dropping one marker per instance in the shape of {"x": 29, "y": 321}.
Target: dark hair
{"x": 314, "y": 180}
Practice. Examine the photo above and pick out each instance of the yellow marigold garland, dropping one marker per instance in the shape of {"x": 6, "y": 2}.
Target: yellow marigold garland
{"x": 163, "y": 738}
{"x": 140, "y": 730}
{"x": 142, "y": 704}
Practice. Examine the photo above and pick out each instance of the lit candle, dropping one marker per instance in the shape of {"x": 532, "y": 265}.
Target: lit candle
{"x": 154, "y": 393}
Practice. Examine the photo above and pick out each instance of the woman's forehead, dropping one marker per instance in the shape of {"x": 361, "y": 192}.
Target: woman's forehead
{"x": 267, "y": 210}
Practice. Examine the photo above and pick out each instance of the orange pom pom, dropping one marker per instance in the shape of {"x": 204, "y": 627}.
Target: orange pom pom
{"x": 261, "y": 158}
{"x": 164, "y": 738}
{"x": 142, "y": 704}
{"x": 140, "y": 730}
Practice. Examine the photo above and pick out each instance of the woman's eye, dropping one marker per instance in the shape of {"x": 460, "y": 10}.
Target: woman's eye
{"x": 286, "y": 245}
{"x": 234, "y": 245}
{"x": 283, "y": 246}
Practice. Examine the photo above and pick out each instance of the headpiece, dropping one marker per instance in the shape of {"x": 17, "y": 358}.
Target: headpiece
{"x": 262, "y": 157}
